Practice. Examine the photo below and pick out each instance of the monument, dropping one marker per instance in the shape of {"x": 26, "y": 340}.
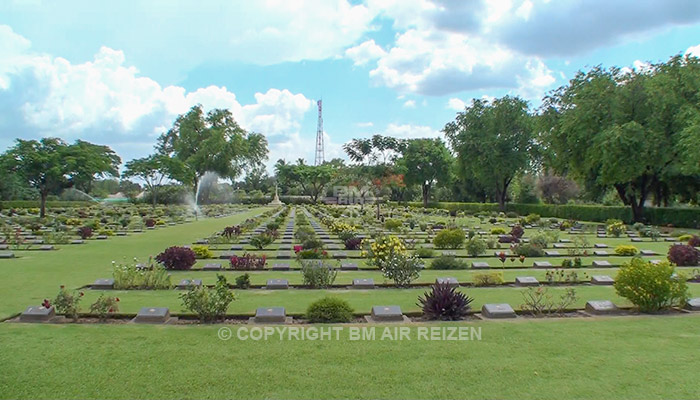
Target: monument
{"x": 276, "y": 201}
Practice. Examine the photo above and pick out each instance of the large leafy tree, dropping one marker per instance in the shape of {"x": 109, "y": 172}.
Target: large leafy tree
{"x": 152, "y": 170}
{"x": 88, "y": 161}
{"x": 493, "y": 142}
{"x": 630, "y": 130}
{"x": 427, "y": 162}
{"x": 214, "y": 142}
{"x": 313, "y": 179}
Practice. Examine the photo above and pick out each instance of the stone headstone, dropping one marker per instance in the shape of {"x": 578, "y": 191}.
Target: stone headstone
{"x": 601, "y": 253}
{"x": 387, "y": 314}
{"x": 600, "y": 246}
{"x": 655, "y": 262}
{"x": 103, "y": 284}
{"x": 693, "y": 304}
{"x": 77, "y": 241}
{"x": 7, "y": 255}
{"x": 564, "y": 240}
{"x": 236, "y": 247}
{"x": 648, "y": 252}
{"x": 601, "y": 236}
{"x": 188, "y": 283}
{"x": 274, "y": 284}
{"x": 366, "y": 283}
{"x": 452, "y": 282}
{"x": 552, "y": 253}
{"x": 211, "y": 267}
{"x": 502, "y": 310}
{"x": 480, "y": 265}
{"x": 348, "y": 267}
{"x": 101, "y": 237}
{"x": 280, "y": 267}
{"x": 37, "y": 314}
{"x": 526, "y": 281}
{"x": 226, "y": 256}
{"x": 602, "y": 280}
{"x": 270, "y": 315}
{"x": 284, "y": 255}
{"x": 449, "y": 253}
{"x": 340, "y": 255}
{"x": 4, "y": 247}
{"x": 600, "y": 307}
{"x": 201, "y": 241}
{"x": 152, "y": 315}
{"x": 541, "y": 264}
{"x": 559, "y": 245}
{"x": 46, "y": 247}
{"x": 601, "y": 263}
{"x": 636, "y": 239}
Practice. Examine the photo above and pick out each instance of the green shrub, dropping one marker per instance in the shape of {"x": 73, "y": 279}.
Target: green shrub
{"x": 488, "y": 278}
{"x": 540, "y": 239}
{"x": 475, "y": 246}
{"x": 498, "y": 231}
{"x": 685, "y": 238}
{"x": 529, "y": 250}
{"x": 651, "y": 287}
{"x": 393, "y": 224}
{"x": 329, "y": 309}
{"x": 104, "y": 305}
{"x": 449, "y": 239}
{"x": 626, "y": 250}
{"x": 209, "y": 304}
{"x": 243, "y": 281}
{"x": 304, "y": 233}
{"x": 312, "y": 243}
{"x": 68, "y": 303}
{"x": 318, "y": 274}
{"x": 532, "y": 218}
{"x": 616, "y": 228}
{"x": 261, "y": 241}
{"x": 448, "y": 262}
{"x": 424, "y": 252}
{"x": 202, "y": 252}
{"x": 401, "y": 268}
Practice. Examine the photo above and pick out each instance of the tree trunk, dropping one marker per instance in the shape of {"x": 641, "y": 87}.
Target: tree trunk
{"x": 426, "y": 194}
{"x": 42, "y": 207}
{"x": 155, "y": 195}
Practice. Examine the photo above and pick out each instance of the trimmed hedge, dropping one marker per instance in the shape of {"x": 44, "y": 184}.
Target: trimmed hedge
{"x": 678, "y": 217}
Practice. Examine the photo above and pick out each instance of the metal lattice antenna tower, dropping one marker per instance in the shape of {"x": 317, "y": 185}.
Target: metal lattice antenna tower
{"x": 319, "y": 135}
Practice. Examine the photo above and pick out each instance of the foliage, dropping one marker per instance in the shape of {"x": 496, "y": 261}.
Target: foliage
{"x": 626, "y": 250}
{"x": 528, "y": 250}
{"x": 68, "y": 302}
{"x": 202, "y": 252}
{"x": 449, "y": 239}
{"x": 694, "y": 241}
{"x": 209, "y": 304}
{"x": 382, "y": 249}
{"x": 104, "y": 305}
{"x": 138, "y": 276}
{"x": 488, "y": 279}
{"x": 318, "y": 274}
{"x": 312, "y": 244}
{"x": 152, "y": 170}
{"x": 448, "y": 262}
{"x": 261, "y": 241}
{"x": 426, "y": 162}
{"x": 303, "y": 233}
{"x": 248, "y": 262}
{"x": 558, "y": 275}
{"x": 475, "y": 246}
{"x": 651, "y": 287}
{"x": 538, "y": 302}
{"x": 230, "y": 231}
{"x": 540, "y": 239}
{"x": 353, "y": 243}
{"x": 177, "y": 258}
{"x": 312, "y": 254}
{"x": 616, "y": 228}
{"x": 445, "y": 303}
{"x": 683, "y": 255}
{"x": 393, "y": 224}
{"x": 517, "y": 231}
{"x": 243, "y": 281}
{"x": 424, "y": 252}
{"x": 312, "y": 179}
{"x": 498, "y": 231}
{"x": 401, "y": 268}
{"x": 85, "y": 232}
{"x": 329, "y": 310}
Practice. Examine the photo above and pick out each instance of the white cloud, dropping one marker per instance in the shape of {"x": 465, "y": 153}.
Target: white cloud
{"x": 409, "y": 104}
{"x": 408, "y": 131}
{"x": 107, "y": 102}
{"x": 456, "y": 104}
{"x": 365, "y": 124}
{"x": 693, "y": 51}
{"x": 365, "y": 52}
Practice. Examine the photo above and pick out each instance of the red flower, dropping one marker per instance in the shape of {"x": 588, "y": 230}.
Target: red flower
{"x": 116, "y": 299}
{"x": 297, "y": 248}
{"x": 46, "y": 303}
{"x": 522, "y": 259}
{"x": 110, "y": 310}
{"x": 82, "y": 294}
{"x": 502, "y": 256}
{"x": 63, "y": 286}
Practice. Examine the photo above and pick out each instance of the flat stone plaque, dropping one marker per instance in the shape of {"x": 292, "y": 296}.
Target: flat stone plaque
{"x": 449, "y": 253}
{"x": 387, "y": 314}
{"x": 340, "y": 255}
{"x": 274, "y": 284}
{"x": 502, "y": 310}
{"x": 564, "y": 240}
{"x": 7, "y": 255}
{"x": 601, "y": 263}
{"x": 270, "y": 315}
{"x": 451, "y": 281}
{"x": 211, "y": 267}
{"x": 480, "y": 265}
{"x": 552, "y": 253}
{"x": 226, "y": 256}
{"x": 280, "y": 267}
{"x": 103, "y": 284}
{"x": 602, "y": 280}
{"x": 284, "y": 255}
{"x": 77, "y": 241}
{"x": 693, "y": 304}
{"x": 526, "y": 281}
{"x": 636, "y": 239}
{"x": 236, "y": 247}
{"x": 648, "y": 252}
{"x": 348, "y": 267}
{"x": 4, "y": 247}
{"x": 37, "y": 314}
{"x": 152, "y": 315}
{"x": 600, "y": 246}
{"x": 600, "y": 307}
{"x": 601, "y": 253}
{"x": 559, "y": 245}
{"x": 366, "y": 283}
{"x": 542, "y": 264}
{"x": 188, "y": 283}
{"x": 46, "y": 247}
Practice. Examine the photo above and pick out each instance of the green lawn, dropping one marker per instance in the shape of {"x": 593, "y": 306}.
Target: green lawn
{"x": 606, "y": 358}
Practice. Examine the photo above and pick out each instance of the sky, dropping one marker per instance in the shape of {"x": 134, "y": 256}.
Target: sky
{"x": 119, "y": 72}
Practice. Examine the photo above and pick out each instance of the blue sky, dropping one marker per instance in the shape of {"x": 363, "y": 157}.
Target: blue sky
{"x": 118, "y": 73}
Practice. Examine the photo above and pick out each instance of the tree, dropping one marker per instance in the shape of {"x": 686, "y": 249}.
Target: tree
{"x": 556, "y": 189}
{"x": 312, "y": 179}
{"x": 427, "y": 162}
{"x": 152, "y": 170}
{"x": 199, "y": 143}
{"x": 40, "y": 164}
{"x": 493, "y": 142}
{"x": 88, "y": 161}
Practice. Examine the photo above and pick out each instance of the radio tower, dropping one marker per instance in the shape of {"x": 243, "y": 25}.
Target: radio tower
{"x": 319, "y": 135}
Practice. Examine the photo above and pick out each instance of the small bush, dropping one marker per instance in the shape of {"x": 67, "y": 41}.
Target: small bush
{"x": 444, "y": 302}
{"x": 449, "y": 239}
{"x": 488, "y": 278}
{"x": 353, "y": 243}
{"x": 528, "y": 250}
{"x": 498, "y": 231}
{"x": 540, "y": 240}
{"x": 104, "y": 305}
{"x": 475, "y": 246}
{"x": 209, "y": 304}
{"x": 423, "y": 252}
{"x": 538, "y": 302}
{"x": 243, "y": 281}
{"x": 685, "y": 237}
{"x": 393, "y": 224}
{"x": 85, "y": 232}
{"x": 532, "y": 219}
{"x": 312, "y": 243}
{"x": 329, "y": 310}
{"x": 448, "y": 262}
{"x": 638, "y": 226}
{"x": 517, "y": 231}
{"x": 303, "y": 233}
{"x": 626, "y": 250}
{"x": 231, "y": 231}
{"x": 68, "y": 303}
{"x": 694, "y": 241}
{"x": 650, "y": 287}
{"x": 312, "y": 254}
{"x": 401, "y": 268}
{"x": 261, "y": 241}
{"x": 202, "y": 252}
{"x": 177, "y": 258}
{"x": 318, "y": 274}
{"x": 248, "y": 262}
{"x": 616, "y": 228}
{"x": 683, "y": 255}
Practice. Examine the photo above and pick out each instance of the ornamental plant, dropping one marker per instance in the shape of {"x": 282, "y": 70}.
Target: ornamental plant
{"x": 231, "y": 231}
{"x": 68, "y": 302}
{"x": 517, "y": 231}
{"x": 85, "y": 232}
{"x": 401, "y": 268}
{"x": 329, "y": 310}
{"x": 177, "y": 258}
{"x": 382, "y": 248}
{"x": 445, "y": 303}
{"x": 683, "y": 255}
{"x": 209, "y": 304}
{"x": 626, "y": 250}
{"x": 616, "y": 228}
{"x": 475, "y": 246}
{"x": 103, "y": 306}
{"x": 312, "y": 254}
{"x": 248, "y": 262}
{"x": 261, "y": 241}
{"x": 449, "y": 239}
{"x": 318, "y": 274}
{"x": 694, "y": 241}
{"x": 651, "y": 287}
{"x": 202, "y": 252}
{"x": 353, "y": 243}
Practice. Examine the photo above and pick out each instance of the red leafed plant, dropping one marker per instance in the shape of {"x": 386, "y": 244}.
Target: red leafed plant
{"x": 248, "y": 262}
{"x": 178, "y": 258}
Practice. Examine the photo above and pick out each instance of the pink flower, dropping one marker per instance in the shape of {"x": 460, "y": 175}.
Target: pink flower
{"x": 297, "y": 248}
